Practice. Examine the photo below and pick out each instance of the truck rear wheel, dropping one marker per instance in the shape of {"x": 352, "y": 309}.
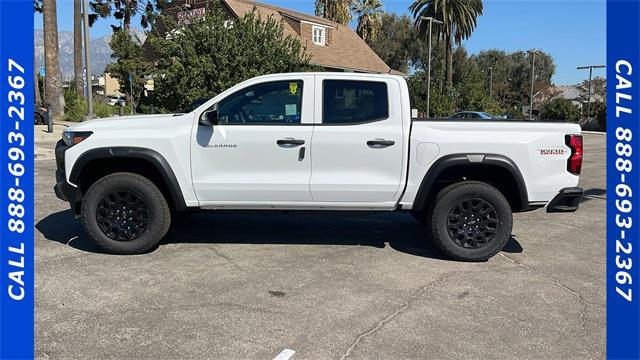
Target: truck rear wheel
{"x": 125, "y": 213}
{"x": 471, "y": 221}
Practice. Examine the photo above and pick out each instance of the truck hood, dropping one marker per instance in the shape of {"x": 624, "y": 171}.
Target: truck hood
{"x": 127, "y": 123}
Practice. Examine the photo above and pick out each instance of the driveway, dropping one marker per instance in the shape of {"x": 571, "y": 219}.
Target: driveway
{"x": 248, "y": 286}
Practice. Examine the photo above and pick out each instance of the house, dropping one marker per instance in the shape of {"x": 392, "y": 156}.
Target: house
{"x": 577, "y": 94}
{"x": 332, "y": 46}
{"x": 110, "y": 85}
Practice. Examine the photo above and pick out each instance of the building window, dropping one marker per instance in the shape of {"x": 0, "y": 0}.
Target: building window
{"x": 319, "y": 35}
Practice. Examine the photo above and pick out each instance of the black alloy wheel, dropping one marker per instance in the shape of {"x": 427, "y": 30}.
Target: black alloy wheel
{"x": 472, "y": 223}
{"x": 122, "y": 215}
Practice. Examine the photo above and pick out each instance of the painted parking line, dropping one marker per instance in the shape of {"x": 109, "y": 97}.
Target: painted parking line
{"x": 285, "y": 354}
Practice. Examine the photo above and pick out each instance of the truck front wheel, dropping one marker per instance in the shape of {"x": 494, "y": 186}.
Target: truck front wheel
{"x": 471, "y": 221}
{"x": 125, "y": 213}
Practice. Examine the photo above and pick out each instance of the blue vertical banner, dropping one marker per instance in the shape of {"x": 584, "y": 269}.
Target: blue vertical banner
{"x": 623, "y": 179}
{"x": 16, "y": 179}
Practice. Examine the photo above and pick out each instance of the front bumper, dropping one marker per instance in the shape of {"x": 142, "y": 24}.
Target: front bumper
{"x": 64, "y": 191}
{"x": 567, "y": 200}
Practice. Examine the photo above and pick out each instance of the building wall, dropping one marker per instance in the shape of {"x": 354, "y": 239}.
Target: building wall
{"x": 111, "y": 86}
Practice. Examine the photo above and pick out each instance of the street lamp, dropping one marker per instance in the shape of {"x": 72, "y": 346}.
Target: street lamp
{"x": 431, "y": 21}
{"x": 490, "y": 79}
{"x": 590, "y": 67}
{"x": 533, "y": 79}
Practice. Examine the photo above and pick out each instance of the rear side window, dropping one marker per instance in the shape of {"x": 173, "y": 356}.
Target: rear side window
{"x": 352, "y": 102}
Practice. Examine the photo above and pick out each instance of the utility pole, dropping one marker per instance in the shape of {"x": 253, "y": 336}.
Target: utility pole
{"x": 431, "y": 21}
{"x": 131, "y": 92}
{"x": 490, "y": 80}
{"x": 533, "y": 80}
{"x": 590, "y": 67}
{"x": 87, "y": 58}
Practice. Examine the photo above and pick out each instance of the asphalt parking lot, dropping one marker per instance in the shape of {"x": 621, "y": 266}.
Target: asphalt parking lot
{"x": 247, "y": 286}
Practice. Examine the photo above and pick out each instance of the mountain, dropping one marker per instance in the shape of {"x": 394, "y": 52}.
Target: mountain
{"x": 100, "y": 51}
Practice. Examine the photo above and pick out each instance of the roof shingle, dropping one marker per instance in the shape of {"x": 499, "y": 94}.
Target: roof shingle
{"x": 346, "y": 50}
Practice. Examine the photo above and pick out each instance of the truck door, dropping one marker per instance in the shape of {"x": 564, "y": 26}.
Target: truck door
{"x": 358, "y": 146}
{"x": 259, "y": 153}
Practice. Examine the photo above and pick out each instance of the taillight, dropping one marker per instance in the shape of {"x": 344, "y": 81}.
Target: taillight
{"x": 574, "y": 163}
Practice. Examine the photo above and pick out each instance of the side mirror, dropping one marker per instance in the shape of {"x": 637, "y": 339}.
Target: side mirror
{"x": 209, "y": 118}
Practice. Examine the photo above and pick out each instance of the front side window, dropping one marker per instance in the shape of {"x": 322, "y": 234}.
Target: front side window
{"x": 349, "y": 102}
{"x": 272, "y": 103}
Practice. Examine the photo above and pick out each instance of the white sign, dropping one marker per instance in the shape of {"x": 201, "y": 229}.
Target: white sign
{"x": 187, "y": 17}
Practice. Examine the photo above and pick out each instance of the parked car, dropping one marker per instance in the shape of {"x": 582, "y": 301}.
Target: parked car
{"x": 40, "y": 115}
{"x": 474, "y": 115}
{"x": 254, "y": 147}
{"x": 117, "y": 100}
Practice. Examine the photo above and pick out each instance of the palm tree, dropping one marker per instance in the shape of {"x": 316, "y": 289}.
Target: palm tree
{"x": 369, "y": 17}
{"x": 335, "y": 10}
{"x": 126, "y": 9}
{"x": 77, "y": 46}
{"x": 459, "y": 19}
{"x": 52, "y": 83}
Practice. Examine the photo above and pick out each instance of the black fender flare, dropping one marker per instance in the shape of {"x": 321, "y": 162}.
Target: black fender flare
{"x": 451, "y": 160}
{"x": 151, "y": 156}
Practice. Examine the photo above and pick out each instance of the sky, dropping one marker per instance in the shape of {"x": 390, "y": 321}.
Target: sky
{"x": 572, "y": 31}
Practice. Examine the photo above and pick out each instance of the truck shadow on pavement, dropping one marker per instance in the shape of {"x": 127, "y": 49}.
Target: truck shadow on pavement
{"x": 397, "y": 230}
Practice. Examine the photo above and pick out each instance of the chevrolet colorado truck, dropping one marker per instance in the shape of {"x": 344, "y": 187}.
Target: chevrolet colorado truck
{"x": 316, "y": 141}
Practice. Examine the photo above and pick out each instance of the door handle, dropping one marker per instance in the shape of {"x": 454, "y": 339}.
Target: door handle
{"x": 380, "y": 143}
{"x": 289, "y": 142}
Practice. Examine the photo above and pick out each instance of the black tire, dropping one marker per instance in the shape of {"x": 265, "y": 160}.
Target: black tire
{"x": 134, "y": 194}
{"x": 38, "y": 119}
{"x": 463, "y": 239}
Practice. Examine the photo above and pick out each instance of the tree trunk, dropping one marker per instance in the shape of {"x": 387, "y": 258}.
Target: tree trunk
{"x": 77, "y": 46}
{"x": 53, "y": 83}
{"x": 127, "y": 21}
{"x": 36, "y": 82}
{"x": 449, "y": 51}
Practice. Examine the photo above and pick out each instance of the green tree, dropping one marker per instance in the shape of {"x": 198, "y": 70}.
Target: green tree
{"x": 335, "y": 10}
{"x": 368, "y": 13}
{"x": 560, "y": 109}
{"x": 130, "y": 66}
{"x": 441, "y": 105}
{"x": 459, "y": 19}
{"x": 205, "y": 58}
{"x": 399, "y": 45}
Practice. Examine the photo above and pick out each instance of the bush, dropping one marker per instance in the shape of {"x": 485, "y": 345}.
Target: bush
{"x": 601, "y": 117}
{"x": 560, "y": 109}
{"x": 74, "y": 106}
{"x": 102, "y": 110}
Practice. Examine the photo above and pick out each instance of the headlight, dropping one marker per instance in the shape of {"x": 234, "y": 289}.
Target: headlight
{"x": 71, "y": 138}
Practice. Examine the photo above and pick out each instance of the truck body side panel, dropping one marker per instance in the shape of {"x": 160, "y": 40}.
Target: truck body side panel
{"x": 538, "y": 150}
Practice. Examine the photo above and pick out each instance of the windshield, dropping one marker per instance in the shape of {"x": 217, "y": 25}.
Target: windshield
{"x": 486, "y": 115}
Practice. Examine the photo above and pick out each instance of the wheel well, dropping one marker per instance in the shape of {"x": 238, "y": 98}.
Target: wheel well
{"x": 99, "y": 168}
{"x": 497, "y": 176}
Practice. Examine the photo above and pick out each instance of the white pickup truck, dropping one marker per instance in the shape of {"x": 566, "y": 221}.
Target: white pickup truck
{"x": 316, "y": 141}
